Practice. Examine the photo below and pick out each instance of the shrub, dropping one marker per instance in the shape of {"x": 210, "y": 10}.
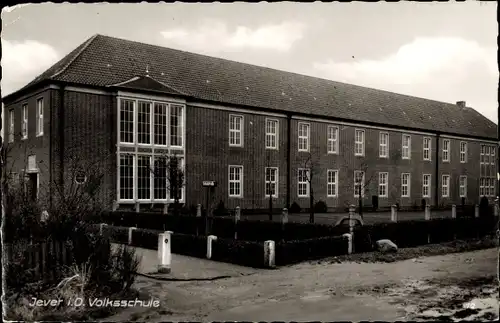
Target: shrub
{"x": 220, "y": 210}
{"x": 294, "y": 208}
{"x": 320, "y": 207}
{"x": 246, "y": 253}
{"x": 189, "y": 245}
{"x": 116, "y": 234}
{"x": 295, "y": 251}
{"x": 146, "y": 238}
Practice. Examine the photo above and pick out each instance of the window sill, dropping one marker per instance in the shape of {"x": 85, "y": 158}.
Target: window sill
{"x": 235, "y": 197}
{"x": 40, "y": 134}
{"x": 332, "y": 153}
{"x": 332, "y": 196}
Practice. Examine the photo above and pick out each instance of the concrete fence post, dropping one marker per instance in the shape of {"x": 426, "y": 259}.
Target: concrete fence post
{"x": 165, "y": 208}
{"x": 101, "y": 228}
{"x": 198, "y": 210}
{"x": 130, "y": 234}
{"x": 352, "y": 213}
{"x": 137, "y": 207}
{"x": 269, "y": 254}
{"x": 284, "y": 216}
{"x": 237, "y": 216}
{"x": 164, "y": 254}
{"x": 210, "y": 239}
{"x": 394, "y": 213}
{"x": 454, "y": 211}
{"x": 476, "y": 211}
{"x": 495, "y": 209}
{"x": 427, "y": 212}
{"x": 115, "y": 206}
{"x": 349, "y": 242}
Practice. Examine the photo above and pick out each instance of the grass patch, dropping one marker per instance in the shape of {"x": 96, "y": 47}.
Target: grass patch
{"x": 416, "y": 252}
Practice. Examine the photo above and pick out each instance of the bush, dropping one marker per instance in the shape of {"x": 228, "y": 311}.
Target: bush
{"x": 320, "y": 207}
{"x": 246, "y": 253}
{"x": 146, "y": 238}
{"x": 295, "y": 251}
{"x": 294, "y": 208}
{"x": 221, "y": 210}
{"x": 116, "y": 234}
{"x": 189, "y": 245}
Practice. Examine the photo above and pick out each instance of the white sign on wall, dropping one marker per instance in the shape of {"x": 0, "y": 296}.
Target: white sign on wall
{"x": 32, "y": 163}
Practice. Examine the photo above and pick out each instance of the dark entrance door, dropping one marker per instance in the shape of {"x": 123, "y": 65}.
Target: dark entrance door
{"x": 33, "y": 186}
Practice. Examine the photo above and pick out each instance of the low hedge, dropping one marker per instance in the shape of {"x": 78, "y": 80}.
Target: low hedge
{"x": 290, "y": 252}
{"x": 146, "y": 238}
{"x": 246, "y": 253}
{"x": 116, "y": 234}
{"x": 189, "y": 245}
{"x": 408, "y": 234}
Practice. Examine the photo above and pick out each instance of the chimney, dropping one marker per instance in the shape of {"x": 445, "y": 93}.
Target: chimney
{"x": 461, "y": 104}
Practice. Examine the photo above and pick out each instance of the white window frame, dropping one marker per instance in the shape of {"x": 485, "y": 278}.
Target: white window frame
{"x": 182, "y": 118}
{"x": 356, "y": 172}
{"x": 427, "y": 149}
{"x": 333, "y": 143}
{"x": 236, "y": 131}
{"x": 306, "y": 182}
{"x": 446, "y": 151}
{"x": 11, "y": 125}
{"x": 24, "y": 121}
{"x": 445, "y": 184}
{"x": 240, "y": 181}
{"x": 39, "y": 117}
{"x": 407, "y": 185}
{"x": 483, "y": 152}
{"x": 383, "y": 148}
{"x": 275, "y": 182}
{"x": 150, "y": 122}
{"x": 302, "y": 138}
{"x": 383, "y": 183}
{"x": 482, "y": 182}
{"x": 359, "y": 144}
{"x": 492, "y": 155}
{"x": 334, "y": 184}
{"x": 134, "y": 118}
{"x": 134, "y": 176}
{"x": 166, "y": 125}
{"x": 463, "y": 152}
{"x": 405, "y": 148}
{"x": 426, "y": 186}
{"x": 270, "y": 135}
{"x": 136, "y": 173}
{"x": 463, "y": 186}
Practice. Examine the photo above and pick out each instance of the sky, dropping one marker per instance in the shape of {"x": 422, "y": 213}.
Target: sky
{"x": 441, "y": 51}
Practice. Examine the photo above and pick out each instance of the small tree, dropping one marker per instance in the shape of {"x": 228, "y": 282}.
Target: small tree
{"x": 269, "y": 188}
{"x": 168, "y": 170}
{"x": 311, "y": 167}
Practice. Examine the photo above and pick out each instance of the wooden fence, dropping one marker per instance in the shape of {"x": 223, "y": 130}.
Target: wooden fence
{"x": 43, "y": 260}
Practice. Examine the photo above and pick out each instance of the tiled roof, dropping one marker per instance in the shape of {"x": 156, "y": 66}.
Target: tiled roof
{"x": 104, "y": 60}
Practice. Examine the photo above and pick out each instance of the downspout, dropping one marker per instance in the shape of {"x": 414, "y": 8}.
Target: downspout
{"x": 436, "y": 178}
{"x": 288, "y": 159}
{"x": 61, "y": 115}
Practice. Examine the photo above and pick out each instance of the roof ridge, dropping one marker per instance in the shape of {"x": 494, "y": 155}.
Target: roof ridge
{"x": 86, "y": 44}
{"x": 282, "y": 71}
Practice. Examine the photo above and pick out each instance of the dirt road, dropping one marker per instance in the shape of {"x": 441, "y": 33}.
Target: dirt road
{"x": 411, "y": 289}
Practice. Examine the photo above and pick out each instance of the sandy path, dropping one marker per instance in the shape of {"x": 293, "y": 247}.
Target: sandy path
{"x": 347, "y": 291}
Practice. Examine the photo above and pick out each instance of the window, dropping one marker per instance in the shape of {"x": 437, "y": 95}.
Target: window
{"x": 144, "y": 123}
{"x": 427, "y": 148}
{"x": 383, "y": 179}
{"x": 176, "y": 125}
{"x": 126, "y": 177}
{"x": 426, "y": 185}
{"x": 303, "y": 136}
{"x": 143, "y": 177}
{"x": 272, "y": 134}
{"x": 11, "y": 125}
{"x": 24, "y": 125}
{"x": 303, "y": 182}
{"x": 359, "y": 143}
{"x": 180, "y": 185}
{"x": 463, "y": 152}
{"x": 406, "y": 151}
{"x": 405, "y": 185}
{"x": 332, "y": 178}
{"x": 492, "y": 155}
{"x": 359, "y": 183}
{"x": 235, "y": 130}
{"x": 446, "y": 150}
{"x": 235, "y": 181}
{"x": 383, "y": 145}
{"x": 333, "y": 142}
{"x": 272, "y": 181}
{"x": 463, "y": 186}
{"x": 39, "y": 117}
{"x": 126, "y": 121}
{"x": 160, "y": 180}
{"x": 160, "y": 124}
{"x": 482, "y": 186}
{"x": 445, "y": 186}
{"x": 487, "y": 186}
{"x": 483, "y": 152}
